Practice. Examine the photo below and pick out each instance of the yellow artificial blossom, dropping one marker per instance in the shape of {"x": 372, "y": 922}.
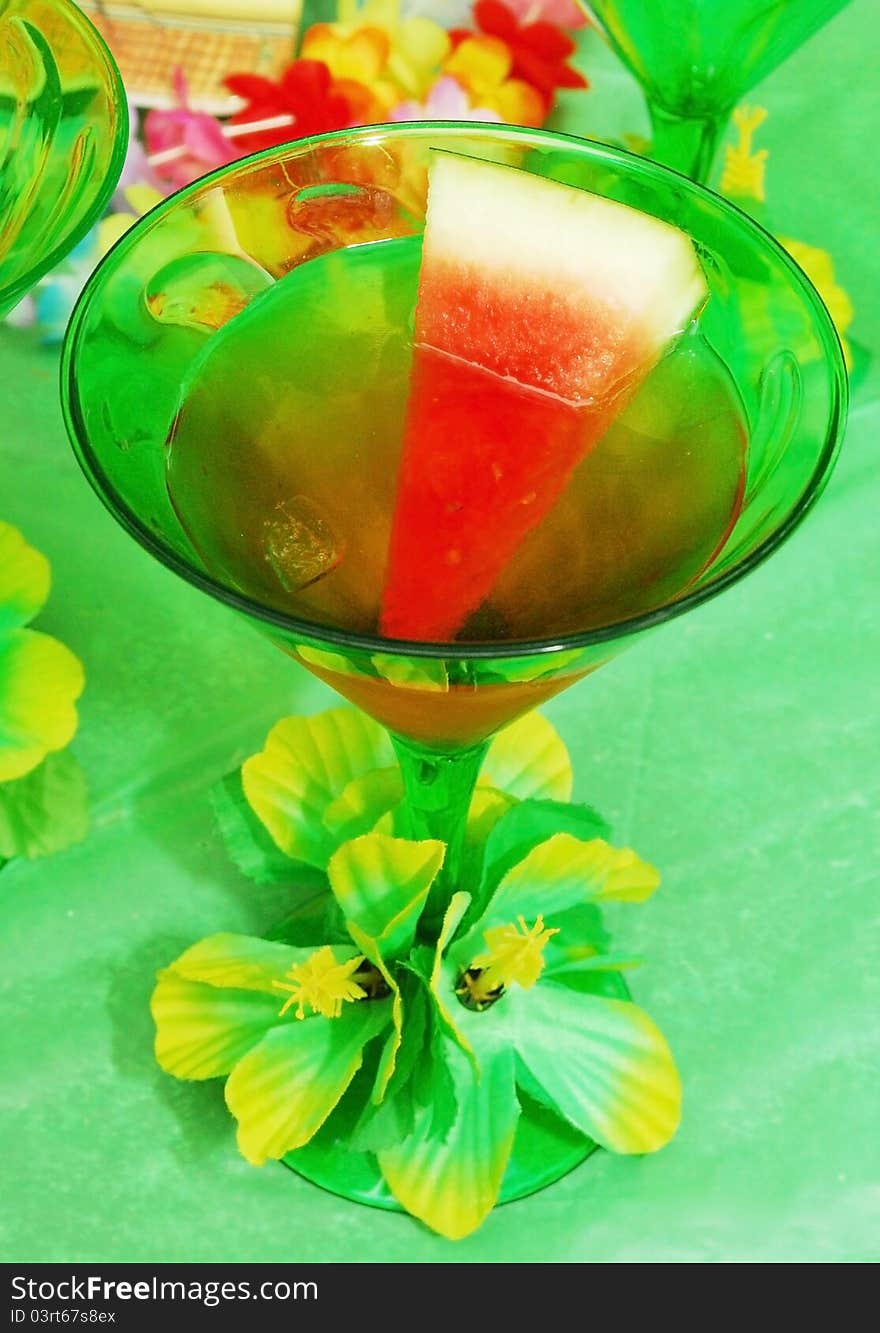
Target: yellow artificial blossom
{"x": 482, "y": 65}
{"x": 515, "y": 952}
{"x": 140, "y": 199}
{"x": 744, "y": 169}
{"x": 417, "y": 46}
{"x": 322, "y": 983}
{"x": 361, "y": 55}
{"x": 819, "y": 268}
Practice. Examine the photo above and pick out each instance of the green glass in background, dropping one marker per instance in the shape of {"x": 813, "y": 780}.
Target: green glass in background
{"x": 151, "y": 308}
{"x": 63, "y": 135}
{"x": 696, "y": 58}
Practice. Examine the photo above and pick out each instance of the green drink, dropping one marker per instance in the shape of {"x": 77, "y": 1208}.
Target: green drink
{"x": 285, "y": 454}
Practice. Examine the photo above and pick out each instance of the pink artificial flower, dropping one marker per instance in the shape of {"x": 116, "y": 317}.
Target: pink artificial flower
{"x": 447, "y": 100}
{"x": 183, "y": 144}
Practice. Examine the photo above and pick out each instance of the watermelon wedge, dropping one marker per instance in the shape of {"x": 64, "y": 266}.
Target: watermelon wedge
{"x": 540, "y": 308}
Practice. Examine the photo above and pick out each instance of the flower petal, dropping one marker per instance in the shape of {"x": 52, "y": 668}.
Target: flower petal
{"x": 452, "y": 1186}
{"x": 528, "y": 824}
{"x": 202, "y": 1032}
{"x": 382, "y": 884}
{"x": 24, "y": 579}
{"x": 363, "y": 802}
{"x": 285, "y": 1088}
{"x": 529, "y": 760}
{"x": 607, "y": 1069}
{"x": 243, "y": 962}
{"x": 445, "y": 971}
{"x": 304, "y": 765}
{"x": 563, "y": 872}
{"x": 40, "y": 681}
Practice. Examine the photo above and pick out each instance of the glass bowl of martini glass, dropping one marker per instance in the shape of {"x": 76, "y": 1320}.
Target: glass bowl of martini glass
{"x": 696, "y": 58}
{"x": 63, "y": 135}
{"x": 235, "y": 382}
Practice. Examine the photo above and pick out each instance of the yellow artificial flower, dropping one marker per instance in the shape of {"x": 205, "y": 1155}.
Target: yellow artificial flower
{"x": 417, "y": 46}
{"x": 819, "y": 268}
{"x": 744, "y": 167}
{"x": 482, "y": 66}
{"x": 40, "y": 679}
{"x": 140, "y": 199}
{"x": 359, "y": 57}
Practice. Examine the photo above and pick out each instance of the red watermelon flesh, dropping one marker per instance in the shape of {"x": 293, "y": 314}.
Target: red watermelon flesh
{"x": 540, "y": 308}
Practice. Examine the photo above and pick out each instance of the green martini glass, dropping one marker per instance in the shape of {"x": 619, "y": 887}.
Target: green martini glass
{"x": 696, "y": 58}
{"x": 161, "y": 294}
{"x": 63, "y": 135}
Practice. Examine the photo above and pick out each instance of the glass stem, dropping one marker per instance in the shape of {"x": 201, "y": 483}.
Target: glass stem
{"x": 687, "y": 143}
{"x": 439, "y": 786}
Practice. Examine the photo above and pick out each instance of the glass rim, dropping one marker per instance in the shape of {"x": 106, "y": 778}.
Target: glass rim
{"x": 479, "y": 650}
{"x": 19, "y": 288}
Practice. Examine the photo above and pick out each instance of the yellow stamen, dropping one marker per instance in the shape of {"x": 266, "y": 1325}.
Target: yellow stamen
{"x": 515, "y": 953}
{"x": 743, "y": 174}
{"x": 322, "y": 983}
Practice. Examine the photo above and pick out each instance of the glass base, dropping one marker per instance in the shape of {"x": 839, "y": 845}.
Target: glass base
{"x": 545, "y": 1150}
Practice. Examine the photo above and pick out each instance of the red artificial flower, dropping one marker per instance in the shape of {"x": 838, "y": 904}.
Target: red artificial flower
{"x": 540, "y": 50}
{"x": 305, "y": 92}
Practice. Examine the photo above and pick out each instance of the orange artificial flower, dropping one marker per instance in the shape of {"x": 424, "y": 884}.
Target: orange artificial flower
{"x": 358, "y": 64}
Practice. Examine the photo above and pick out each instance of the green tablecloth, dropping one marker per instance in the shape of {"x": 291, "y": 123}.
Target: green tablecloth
{"x": 737, "y": 748}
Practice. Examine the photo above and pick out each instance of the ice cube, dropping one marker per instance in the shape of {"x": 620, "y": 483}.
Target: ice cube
{"x": 300, "y": 543}
{"x": 204, "y": 291}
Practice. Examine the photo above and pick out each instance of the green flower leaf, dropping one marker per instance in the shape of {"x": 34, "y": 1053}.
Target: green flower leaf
{"x": 529, "y": 760}
{"x": 24, "y": 579}
{"x": 382, "y": 884}
{"x": 304, "y": 766}
{"x": 40, "y": 681}
{"x": 607, "y": 1068}
{"x": 387, "y": 1119}
{"x": 315, "y": 920}
{"x": 452, "y": 1186}
{"x": 581, "y": 929}
{"x": 487, "y": 807}
{"x": 385, "y": 1070}
{"x": 433, "y": 1086}
{"x": 421, "y": 1078}
{"x": 202, "y": 1031}
{"x": 247, "y": 841}
{"x": 443, "y": 972}
{"x": 569, "y": 966}
{"x": 284, "y": 1089}
{"x": 46, "y": 810}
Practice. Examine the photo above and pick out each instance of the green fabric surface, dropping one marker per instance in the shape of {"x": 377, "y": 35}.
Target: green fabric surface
{"x": 737, "y": 748}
